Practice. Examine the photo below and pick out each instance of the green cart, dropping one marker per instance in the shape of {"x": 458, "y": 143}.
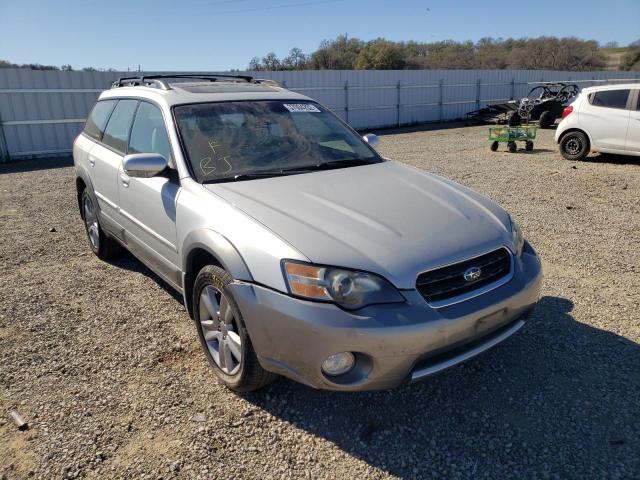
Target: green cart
{"x": 511, "y": 135}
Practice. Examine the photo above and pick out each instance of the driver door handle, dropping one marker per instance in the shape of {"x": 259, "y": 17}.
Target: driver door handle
{"x": 124, "y": 178}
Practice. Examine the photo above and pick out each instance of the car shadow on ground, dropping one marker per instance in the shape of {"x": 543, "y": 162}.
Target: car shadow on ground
{"x": 505, "y": 413}
{"x": 558, "y": 399}
{"x": 19, "y": 166}
{"x": 127, "y": 261}
{"x": 612, "y": 159}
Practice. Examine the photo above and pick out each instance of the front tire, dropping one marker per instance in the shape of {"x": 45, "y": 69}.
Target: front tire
{"x": 101, "y": 245}
{"x": 574, "y": 146}
{"x": 223, "y": 335}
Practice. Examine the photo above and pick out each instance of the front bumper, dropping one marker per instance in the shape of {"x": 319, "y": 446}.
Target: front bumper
{"x": 393, "y": 343}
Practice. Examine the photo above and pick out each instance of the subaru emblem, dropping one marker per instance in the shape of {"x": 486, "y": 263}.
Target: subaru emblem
{"x": 472, "y": 274}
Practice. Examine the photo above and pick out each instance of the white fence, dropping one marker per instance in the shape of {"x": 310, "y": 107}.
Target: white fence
{"x": 41, "y": 112}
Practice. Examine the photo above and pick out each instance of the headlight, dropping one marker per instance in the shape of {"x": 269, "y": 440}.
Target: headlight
{"x": 350, "y": 289}
{"x": 517, "y": 237}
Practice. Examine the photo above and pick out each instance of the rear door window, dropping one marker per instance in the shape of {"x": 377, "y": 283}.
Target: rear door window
{"x": 98, "y": 118}
{"x": 116, "y": 134}
{"x": 611, "y": 98}
{"x": 148, "y": 134}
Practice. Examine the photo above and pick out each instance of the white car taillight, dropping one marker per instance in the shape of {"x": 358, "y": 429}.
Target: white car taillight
{"x": 567, "y": 111}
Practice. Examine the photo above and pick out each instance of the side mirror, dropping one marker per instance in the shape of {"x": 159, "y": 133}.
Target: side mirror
{"x": 144, "y": 165}
{"x": 371, "y": 139}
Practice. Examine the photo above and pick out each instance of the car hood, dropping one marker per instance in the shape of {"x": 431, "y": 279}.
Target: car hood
{"x": 385, "y": 218}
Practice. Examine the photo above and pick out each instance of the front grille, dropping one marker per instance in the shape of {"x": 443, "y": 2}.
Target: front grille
{"x": 447, "y": 282}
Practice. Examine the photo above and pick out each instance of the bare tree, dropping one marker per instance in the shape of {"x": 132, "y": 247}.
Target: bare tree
{"x": 296, "y": 60}
{"x": 255, "y": 65}
{"x": 271, "y": 62}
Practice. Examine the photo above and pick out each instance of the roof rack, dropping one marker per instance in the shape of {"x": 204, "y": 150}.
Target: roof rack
{"x": 593, "y": 80}
{"x": 158, "y": 80}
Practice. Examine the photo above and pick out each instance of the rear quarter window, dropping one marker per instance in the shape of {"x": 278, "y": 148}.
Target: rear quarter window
{"x": 610, "y": 98}
{"x": 98, "y": 118}
{"x": 116, "y": 133}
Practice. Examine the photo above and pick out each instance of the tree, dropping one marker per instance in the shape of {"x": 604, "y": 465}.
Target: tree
{"x": 344, "y": 53}
{"x": 255, "y": 65}
{"x": 296, "y": 60}
{"x": 380, "y": 54}
{"x": 338, "y": 54}
{"x": 631, "y": 59}
{"x": 271, "y": 62}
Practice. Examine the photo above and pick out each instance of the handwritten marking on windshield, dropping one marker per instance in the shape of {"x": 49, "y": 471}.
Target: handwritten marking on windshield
{"x": 209, "y": 165}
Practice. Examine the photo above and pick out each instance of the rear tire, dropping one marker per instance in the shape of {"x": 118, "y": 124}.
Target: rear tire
{"x": 547, "y": 120}
{"x": 528, "y": 146}
{"x": 103, "y": 246}
{"x": 223, "y": 335}
{"x": 574, "y": 146}
{"x": 494, "y": 146}
{"x": 512, "y": 147}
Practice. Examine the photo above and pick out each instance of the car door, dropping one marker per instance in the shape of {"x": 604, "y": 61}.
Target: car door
{"x": 105, "y": 158}
{"x": 148, "y": 205}
{"x": 633, "y": 133}
{"x": 606, "y": 118}
{"x": 99, "y": 169}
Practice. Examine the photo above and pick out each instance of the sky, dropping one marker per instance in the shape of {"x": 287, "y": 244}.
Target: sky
{"x": 224, "y": 34}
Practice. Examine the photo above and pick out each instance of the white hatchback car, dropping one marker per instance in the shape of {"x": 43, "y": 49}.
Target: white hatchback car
{"x": 601, "y": 119}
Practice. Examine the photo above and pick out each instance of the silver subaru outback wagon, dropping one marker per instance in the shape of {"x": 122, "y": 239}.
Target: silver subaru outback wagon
{"x": 299, "y": 250}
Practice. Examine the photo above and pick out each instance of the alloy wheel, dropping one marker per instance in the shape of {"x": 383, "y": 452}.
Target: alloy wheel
{"x": 91, "y": 223}
{"x": 220, "y": 329}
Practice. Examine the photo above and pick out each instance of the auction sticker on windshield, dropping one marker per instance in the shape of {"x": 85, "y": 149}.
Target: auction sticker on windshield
{"x": 301, "y": 107}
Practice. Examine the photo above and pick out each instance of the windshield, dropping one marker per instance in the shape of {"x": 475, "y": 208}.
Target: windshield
{"x": 232, "y": 140}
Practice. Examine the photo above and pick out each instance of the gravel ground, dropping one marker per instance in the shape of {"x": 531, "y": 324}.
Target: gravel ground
{"x": 102, "y": 361}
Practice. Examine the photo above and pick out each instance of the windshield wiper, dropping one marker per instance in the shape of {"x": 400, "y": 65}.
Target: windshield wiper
{"x": 259, "y": 174}
{"x": 332, "y": 164}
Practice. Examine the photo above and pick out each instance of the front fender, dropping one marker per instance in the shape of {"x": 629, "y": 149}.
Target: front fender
{"x": 217, "y": 246}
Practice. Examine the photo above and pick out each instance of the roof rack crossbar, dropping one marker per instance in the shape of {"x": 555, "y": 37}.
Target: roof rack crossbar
{"x": 158, "y": 80}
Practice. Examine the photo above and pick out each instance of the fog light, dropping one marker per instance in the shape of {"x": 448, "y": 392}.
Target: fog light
{"x": 338, "y": 363}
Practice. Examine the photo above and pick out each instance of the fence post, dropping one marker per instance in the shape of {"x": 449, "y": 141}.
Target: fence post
{"x": 4, "y": 151}
{"x": 398, "y": 99}
{"x": 346, "y": 101}
{"x": 440, "y": 100}
{"x": 513, "y": 88}
{"x": 478, "y": 87}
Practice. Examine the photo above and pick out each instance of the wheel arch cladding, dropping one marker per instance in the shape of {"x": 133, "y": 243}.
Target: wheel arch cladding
{"x": 83, "y": 181}
{"x": 80, "y": 186}
{"x": 207, "y": 247}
